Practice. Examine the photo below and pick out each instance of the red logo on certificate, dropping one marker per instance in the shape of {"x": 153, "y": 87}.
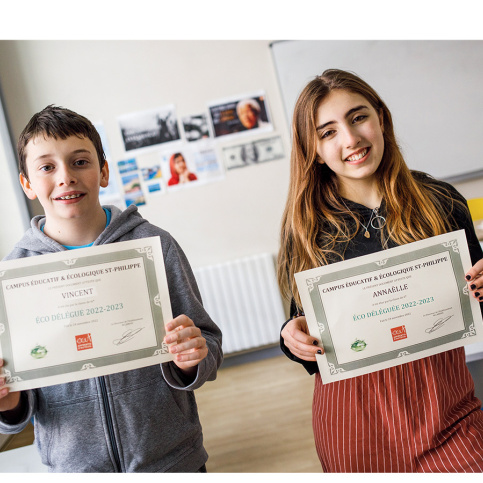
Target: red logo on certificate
{"x": 399, "y": 333}
{"x": 83, "y": 342}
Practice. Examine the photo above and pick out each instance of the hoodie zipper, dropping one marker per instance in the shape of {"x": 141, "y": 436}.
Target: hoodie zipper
{"x": 110, "y": 425}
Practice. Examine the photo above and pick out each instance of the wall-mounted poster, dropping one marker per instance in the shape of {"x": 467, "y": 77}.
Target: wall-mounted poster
{"x": 152, "y": 176}
{"x": 131, "y": 182}
{"x": 181, "y": 171}
{"x": 240, "y": 114}
{"x": 127, "y": 165}
{"x": 111, "y": 194}
{"x": 102, "y": 133}
{"x": 190, "y": 167}
{"x": 133, "y": 193}
{"x": 253, "y": 152}
{"x": 196, "y": 128}
{"x": 207, "y": 165}
{"x": 150, "y": 128}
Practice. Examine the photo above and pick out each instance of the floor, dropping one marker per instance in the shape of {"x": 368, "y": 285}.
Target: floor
{"x": 256, "y": 418}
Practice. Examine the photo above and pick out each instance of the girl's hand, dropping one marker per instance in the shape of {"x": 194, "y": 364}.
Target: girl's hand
{"x": 474, "y": 277}
{"x": 8, "y": 400}
{"x": 188, "y": 345}
{"x": 297, "y": 339}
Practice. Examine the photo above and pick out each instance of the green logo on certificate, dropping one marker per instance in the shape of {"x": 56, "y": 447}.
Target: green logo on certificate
{"x": 38, "y": 352}
{"x": 358, "y": 345}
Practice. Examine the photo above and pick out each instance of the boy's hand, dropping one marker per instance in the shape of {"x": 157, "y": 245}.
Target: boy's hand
{"x": 188, "y": 345}
{"x": 8, "y": 400}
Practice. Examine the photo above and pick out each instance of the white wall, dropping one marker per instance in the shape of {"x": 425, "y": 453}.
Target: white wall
{"x": 15, "y": 218}
{"x": 220, "y": 221}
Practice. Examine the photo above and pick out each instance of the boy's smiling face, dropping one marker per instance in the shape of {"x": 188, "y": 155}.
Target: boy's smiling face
{"x": 65, "y": 176}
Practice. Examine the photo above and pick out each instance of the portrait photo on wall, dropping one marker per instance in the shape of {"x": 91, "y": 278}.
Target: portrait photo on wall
{"x": 253, "y": 152}
{"x": 242, "y": 114}
{"x": 191, "y": 167}
{"x": 149, "y": 128}
{"x": 178, "y": 170}
{"x": 196, "y": 128}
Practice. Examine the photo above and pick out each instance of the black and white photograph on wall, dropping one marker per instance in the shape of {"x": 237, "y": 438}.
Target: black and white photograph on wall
{"x": 253, "y": 152}
{"x": 196, "y": 128}
{"x": 149, "y": 128}
{"x": 241, "y": 114}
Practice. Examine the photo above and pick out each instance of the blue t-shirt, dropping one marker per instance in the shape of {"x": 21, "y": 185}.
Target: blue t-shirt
{"x": 108, "y": 220}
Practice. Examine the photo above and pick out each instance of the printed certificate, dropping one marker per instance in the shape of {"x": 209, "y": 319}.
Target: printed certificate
{"x": 83, "y": 313}
{"x": 391, "y": 307}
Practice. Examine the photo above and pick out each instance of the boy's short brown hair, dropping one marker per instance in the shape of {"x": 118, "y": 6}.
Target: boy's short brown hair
{"x": 57, "y": 122}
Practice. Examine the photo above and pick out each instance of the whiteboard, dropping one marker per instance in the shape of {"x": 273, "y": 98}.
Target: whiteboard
{"x": 434, "y": 90}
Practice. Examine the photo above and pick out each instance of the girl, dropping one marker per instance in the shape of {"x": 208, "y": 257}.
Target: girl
{"x": 351, "y": 194}
{"x": 179, "y": 170}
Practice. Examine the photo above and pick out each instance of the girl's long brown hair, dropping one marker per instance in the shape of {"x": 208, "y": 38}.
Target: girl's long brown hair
{"x": 413, "y": 209}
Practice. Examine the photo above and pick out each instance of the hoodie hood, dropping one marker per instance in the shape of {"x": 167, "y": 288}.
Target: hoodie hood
{"x": 35, "y": 242}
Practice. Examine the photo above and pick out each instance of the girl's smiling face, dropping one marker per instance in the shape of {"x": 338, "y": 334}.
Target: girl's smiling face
{"x": 349, "y": 136}
{"x": 179, "y": 164}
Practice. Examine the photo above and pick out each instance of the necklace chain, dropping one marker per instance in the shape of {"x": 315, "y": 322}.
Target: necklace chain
{"x": 380, "y": 223}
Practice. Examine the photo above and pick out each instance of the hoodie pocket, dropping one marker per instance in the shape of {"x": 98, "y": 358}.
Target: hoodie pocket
{"x": 72, "y": 438}
{"x": 158, "y": 426}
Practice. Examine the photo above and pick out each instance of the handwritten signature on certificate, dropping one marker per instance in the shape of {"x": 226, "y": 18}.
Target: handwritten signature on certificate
{"x": 127, "y": 336}
{"x": 438, "y": 324}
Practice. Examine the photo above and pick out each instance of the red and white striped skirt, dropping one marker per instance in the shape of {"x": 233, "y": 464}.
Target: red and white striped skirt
{"x": 421, "y": 416}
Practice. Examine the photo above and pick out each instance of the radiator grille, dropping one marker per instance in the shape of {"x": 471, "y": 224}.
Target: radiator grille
{"x": 243, "y": 298}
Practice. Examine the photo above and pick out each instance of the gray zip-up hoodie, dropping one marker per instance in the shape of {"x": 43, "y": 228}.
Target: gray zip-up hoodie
{"x": 145, "y": 420}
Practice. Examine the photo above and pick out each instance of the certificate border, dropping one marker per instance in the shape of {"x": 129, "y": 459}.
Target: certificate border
{"x": 97, "y": 260}
{"x": 451, "y": 247}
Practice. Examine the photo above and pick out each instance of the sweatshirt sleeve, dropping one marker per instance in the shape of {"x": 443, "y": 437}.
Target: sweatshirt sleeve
{"x": 186, "y": 299}
{"x": 29, "y": 403}
{"x": 310, "y": 366}
{"x": 463, "y": 221}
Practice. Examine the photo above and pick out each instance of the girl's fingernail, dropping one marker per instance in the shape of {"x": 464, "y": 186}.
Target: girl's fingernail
{"x": 319, "y": 352}
{"x": 473, "y": 286}
{"x": 315, "y": 342}
{"x": 477, "y": 294}
{"x": 468, "y": 277}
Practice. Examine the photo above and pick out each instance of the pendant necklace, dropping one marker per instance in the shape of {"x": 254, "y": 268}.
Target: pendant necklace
{"x": 377, "y": 222}
{"x": 366, "y": 228}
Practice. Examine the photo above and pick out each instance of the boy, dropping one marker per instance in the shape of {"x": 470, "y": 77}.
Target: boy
{"x": 144, "y": 420}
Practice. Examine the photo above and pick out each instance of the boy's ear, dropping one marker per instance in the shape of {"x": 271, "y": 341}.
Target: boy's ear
{"x": 27, "y": 188}
{"x": 105, "y": 175}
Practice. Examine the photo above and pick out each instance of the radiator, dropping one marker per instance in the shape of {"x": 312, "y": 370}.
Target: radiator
{"x": 243, "y": 298}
